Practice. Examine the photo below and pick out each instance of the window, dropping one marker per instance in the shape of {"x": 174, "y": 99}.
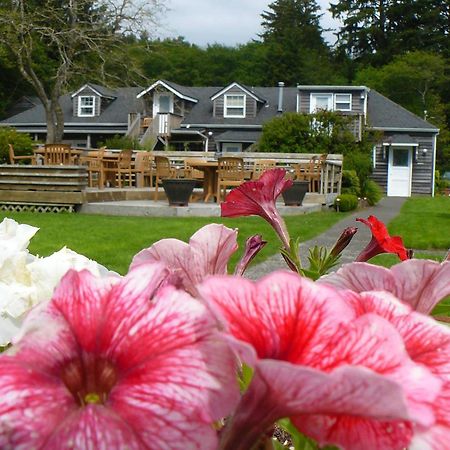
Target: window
{"x": 234, "y": 106}
{"x": 231, "y": 147}
{"x": 165, "y": 103}
{"x": 321, "y": 101}
{"x": 86, "y": 106}
{"x": 331, "y": 102}
{"x": 343, "y": 102}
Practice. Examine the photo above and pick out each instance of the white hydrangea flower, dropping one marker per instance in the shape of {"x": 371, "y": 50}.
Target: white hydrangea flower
{"x": 25, "y": 279}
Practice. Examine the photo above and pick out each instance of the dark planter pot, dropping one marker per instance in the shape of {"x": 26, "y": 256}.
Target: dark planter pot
{"x": 296, "y": 193}
{"x": 178, "y": 190}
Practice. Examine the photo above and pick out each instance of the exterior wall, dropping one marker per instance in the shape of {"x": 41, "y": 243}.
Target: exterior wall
{"x": 357, "y": 112}
{"x": 250, "y": 103}
{"x": 422, "y": 169}
{"x": 304, "y": 100}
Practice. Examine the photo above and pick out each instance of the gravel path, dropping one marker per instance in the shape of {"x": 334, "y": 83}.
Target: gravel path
{"x": 385, "y": 210}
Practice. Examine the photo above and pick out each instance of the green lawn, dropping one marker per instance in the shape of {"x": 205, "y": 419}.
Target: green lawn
{"x": 424, "y": 224}
{"x": 112, "y": 240}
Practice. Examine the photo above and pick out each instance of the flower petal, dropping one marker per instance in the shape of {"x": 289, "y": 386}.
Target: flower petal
{"x": 207, "y": 253}
{"x": 283, "y": 316}
{"x": 22, "y": 409}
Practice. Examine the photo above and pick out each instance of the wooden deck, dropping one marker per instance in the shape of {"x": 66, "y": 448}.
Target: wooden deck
{"x": 42, "y": 187}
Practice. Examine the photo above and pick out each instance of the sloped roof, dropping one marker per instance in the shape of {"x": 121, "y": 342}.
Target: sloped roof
{"x": 202, "y": 112}
{"x": 116, "y": 111}
{"x": 238, "y": 136}
{"x": 384, "y": 113}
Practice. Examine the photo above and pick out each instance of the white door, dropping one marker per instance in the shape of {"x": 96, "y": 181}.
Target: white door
{"x": 399, "y": 172}
{"x": 163, "y": 103}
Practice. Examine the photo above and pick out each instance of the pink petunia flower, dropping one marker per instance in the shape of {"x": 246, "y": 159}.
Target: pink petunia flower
{"x": 257, "y": 198}
{"x": 420, "y": 283}
{"x": 342, "y": 380}
{"x": 427, "y": 343}
{"x": 207, "y": 253}
{"x": 381, "y": 242}
{"x": 114, "y": 364}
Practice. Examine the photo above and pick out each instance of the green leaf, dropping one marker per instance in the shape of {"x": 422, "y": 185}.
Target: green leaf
{"x": 300, "y": 441}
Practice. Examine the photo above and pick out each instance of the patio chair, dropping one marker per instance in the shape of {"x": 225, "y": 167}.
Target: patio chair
{"x": 262, "y": 165}
{"x": 163, "y": 170}
{"x": 13, "y": 158}
{"x": 124, "y": 167}
{"x": 230, "y": 173}
{"x": 94, "y": 164}
{"x": 143, "y": 169}
{"x": 58, "y": 154}
{"x": 190, "y": 171}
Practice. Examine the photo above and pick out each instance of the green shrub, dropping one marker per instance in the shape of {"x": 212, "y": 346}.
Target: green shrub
{"x": 22, "y": 143}
{"x": 346, "y": 202}
{"x": 360, "y": 162}
{"x": 371, "y": 191}
{"x": 350, "y": 182}
{"x": 121, "y": 142}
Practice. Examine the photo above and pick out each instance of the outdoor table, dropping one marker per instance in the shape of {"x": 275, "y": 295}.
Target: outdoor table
{"x": 209, "y": 168}
{"x": 110, "y": 169}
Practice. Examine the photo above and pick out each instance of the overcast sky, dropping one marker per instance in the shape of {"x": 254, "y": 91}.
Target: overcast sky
{"x": 228, "y": 22}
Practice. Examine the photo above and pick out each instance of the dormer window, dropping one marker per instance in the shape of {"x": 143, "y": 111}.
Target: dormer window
{"x": 343, "y": 102}
{"x": 234, "y": 105}
{"x": 86, "y": 106}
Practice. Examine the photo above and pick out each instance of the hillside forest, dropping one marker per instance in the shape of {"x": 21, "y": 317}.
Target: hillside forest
{"x": 400, "y": 48}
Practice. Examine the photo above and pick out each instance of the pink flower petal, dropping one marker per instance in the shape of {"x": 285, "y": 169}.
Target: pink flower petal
{"x": 283, "y": 316}
{"x": 428, "y": 344}
{"x": 207, "y": 253}
{"x": 420, "y": 283}
{"x": 150, "y": 359}
{"x": 21, "y": 395}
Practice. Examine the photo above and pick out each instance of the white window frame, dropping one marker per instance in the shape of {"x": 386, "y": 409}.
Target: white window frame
{"x": 313, "y": 103}
{"x": 332, "y": 101}
{"x": 233, "y": 145}
{"x": 81, "y": 106}
{"x": 225, "y": 105}
{"x": 349, "y": 96}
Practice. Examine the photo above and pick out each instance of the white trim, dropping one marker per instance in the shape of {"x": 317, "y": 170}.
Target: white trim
{"x": 232, "y": 85}
{"x": 156, "y": 103}
{"x": 433, "y": 175}
{"x": 400, "y": 145}
{"x": 80, "y": 106}
{"x": 87, "y": 85}
{"x": 314, "y": 94}
{"x": 225, "y": 106}
{"x": 332, "y": 87}
{"x": 374, "y": 156}
{"x": 220, "y": 125}
{"x": 169, "y": 88}
{"x": 390, "y": 165}
{"x": 419, "y": 130}
{"x": 335, "y": 101}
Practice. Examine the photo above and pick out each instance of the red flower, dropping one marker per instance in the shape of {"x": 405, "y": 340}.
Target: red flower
{"x": 381, "y": 241}
{"x": 257, "y": 198}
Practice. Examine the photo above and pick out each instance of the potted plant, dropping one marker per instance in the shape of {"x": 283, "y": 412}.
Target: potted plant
{"x": 296, "y": 193}
{"x": 178, "y": 190}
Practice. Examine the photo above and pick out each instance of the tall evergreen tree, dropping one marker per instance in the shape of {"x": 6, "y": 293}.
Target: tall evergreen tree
{"x": 375, "y": 31}
{"x": 296, "y": 49}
